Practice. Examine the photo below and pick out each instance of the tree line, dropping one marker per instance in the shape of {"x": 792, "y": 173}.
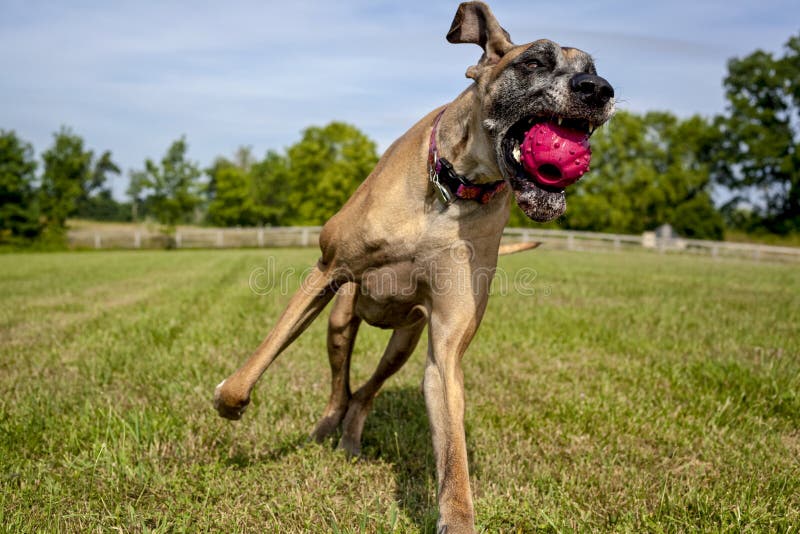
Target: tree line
{"x": 647, "y": 169}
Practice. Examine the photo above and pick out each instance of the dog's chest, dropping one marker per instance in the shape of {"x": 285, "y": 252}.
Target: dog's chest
{"x": 388, "y": 295}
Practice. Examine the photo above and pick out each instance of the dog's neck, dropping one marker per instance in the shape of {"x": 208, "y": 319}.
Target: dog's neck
{"x": 464, "y": 142}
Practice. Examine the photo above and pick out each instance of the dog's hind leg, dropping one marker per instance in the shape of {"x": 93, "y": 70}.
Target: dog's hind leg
{"x": 342, "y": 329}
{"x": 233, "y": 394}
{"x": 401, "y": 346}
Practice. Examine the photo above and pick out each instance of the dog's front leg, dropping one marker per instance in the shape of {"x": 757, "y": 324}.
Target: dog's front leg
{"x": 451, "y": 331}
{"x": 233, "y": 394}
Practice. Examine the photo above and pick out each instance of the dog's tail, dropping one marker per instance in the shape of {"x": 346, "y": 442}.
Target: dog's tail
{"x": 513, "y": 248}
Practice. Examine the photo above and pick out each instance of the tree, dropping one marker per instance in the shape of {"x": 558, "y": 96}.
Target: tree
{"x": 247, "y": 192}
{"x": 102, "y": 206}
{"x": 307, "y": 185}
{"x": 19, "y": 214}
{"x": 271, "y": 185}
{"x": 233, "y": 203}
{"x": 325, "y": 168}
{"x": 73, "y": 181}
{"x": 759, "y": 156}
{"x": 243, "y": 159}
{"x": 96, "y": 201}
{"x": 67, "y": 173}
{"x": 647, "y": 170}
{"x": 171, "y": 190}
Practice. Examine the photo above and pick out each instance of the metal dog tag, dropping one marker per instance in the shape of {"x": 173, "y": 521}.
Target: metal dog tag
{"x": 444, "y": 194}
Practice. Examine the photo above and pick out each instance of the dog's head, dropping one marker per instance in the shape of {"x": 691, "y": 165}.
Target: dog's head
{"x": 540, "y": 102}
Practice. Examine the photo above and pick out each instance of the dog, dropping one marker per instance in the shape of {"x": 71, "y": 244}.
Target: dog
{"x": 417, "y": 243}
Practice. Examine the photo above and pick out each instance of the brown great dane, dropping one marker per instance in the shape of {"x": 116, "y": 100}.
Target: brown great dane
{"x": 417, "y": 243}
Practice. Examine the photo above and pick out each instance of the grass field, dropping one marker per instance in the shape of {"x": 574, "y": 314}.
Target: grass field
{"x": 631, "y": 392}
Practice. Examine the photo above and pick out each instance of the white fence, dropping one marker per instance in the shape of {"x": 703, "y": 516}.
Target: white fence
{"x": 574, "y": 240}
{"x": 196, "y": 237}
{"x": 304, "y": 236}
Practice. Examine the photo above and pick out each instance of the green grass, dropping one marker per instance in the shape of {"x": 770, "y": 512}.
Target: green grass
{"x": 632, "y": 392}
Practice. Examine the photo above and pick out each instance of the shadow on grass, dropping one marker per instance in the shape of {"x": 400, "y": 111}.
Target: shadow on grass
{"x": 397, "y": 432}
{"x": 242, "y": 458}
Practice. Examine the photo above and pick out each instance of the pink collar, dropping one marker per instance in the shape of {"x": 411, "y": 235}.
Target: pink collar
{"x": 451, "y": 185}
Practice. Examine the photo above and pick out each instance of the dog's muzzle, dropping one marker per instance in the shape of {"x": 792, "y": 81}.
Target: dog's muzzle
{"x": 541, "y": 156}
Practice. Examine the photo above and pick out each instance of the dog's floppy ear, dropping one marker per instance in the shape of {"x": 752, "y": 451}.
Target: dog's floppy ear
{"x": 475, "y": 23}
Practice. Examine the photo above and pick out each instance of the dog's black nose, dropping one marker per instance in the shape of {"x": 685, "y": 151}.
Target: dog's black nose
{"x": 592, "y": 89}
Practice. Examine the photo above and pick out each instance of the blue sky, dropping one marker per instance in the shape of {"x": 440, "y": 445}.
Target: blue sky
{"x": 133, "y": 76}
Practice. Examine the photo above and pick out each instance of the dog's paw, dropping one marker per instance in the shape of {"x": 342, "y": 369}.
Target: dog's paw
{"x": 351, "y": 447}
{"x": 454, "y": 529}
{"x": 455, "y": 523}
{"x": 326, "y": 426}
{"x": 227, "y": 407}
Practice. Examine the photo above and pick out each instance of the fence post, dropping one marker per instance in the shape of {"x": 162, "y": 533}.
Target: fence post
{"x": 757, "y": 253}
{"x": 714, "y": 251}
{"x": 220, "y": 239}
{"x": 98, "y": 241}
{"x": 617, "y": 243}
{"x": 304, "y": 237}
{"x": 570, "y": 242}
{"x": 137, "y": 239}
{"x": 260, "y": 237}
{"x": 526, "y": 236}
{"x": 177, "y": 239}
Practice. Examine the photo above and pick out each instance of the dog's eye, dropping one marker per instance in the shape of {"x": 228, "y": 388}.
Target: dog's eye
{"x": 532, "y": 65}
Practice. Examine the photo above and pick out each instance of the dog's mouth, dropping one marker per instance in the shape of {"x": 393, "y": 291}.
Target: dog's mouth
{"x": 541, "y": 156}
